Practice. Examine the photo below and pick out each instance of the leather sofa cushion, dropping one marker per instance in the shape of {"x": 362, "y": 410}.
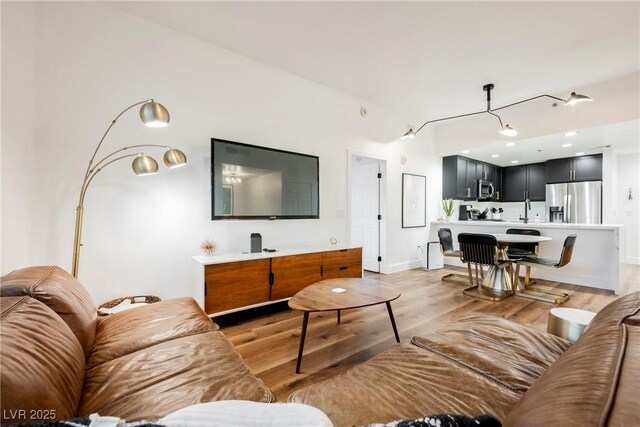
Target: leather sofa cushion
{"x": 406, "y": 382}
{"x": 595, "y": 382}
{"x": 138, "y": 328}
{"x": 42, "y": 363}
{"x": 61, "y": 292}
{"x": 507, "y": 352}
{"x": 158, "y": 380}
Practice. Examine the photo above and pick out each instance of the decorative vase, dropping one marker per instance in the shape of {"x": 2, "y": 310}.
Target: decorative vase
{"x": 448, "y": 218}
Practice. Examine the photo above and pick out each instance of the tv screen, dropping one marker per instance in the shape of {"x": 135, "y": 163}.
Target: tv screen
{"x": 252, "y": 182}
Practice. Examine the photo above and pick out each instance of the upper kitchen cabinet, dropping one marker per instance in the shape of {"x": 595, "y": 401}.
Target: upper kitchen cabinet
{"x": 460, "y": 177}
{"x": 524, "y": 182}
{"x": 583, "y": 168}
{"x": 454, "y": 178}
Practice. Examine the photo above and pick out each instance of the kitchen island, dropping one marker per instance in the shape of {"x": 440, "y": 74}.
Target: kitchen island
{"x": 596, "y": 256}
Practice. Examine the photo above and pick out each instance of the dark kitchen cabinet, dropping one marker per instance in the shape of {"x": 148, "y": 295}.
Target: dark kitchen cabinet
{"x": 460, "y": 177}
{"x": 536, "y": 182}
{"x": 583, "y": 168}
{"x": 498, "y": 194}
{"x": 472, "y": 178}
{"x": 522, "y": 182}
{"x": 514, "y": 183}
{"x": 587, "y": 168}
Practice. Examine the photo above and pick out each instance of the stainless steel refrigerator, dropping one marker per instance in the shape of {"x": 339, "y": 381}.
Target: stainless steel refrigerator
{"x": 574, "y": 202}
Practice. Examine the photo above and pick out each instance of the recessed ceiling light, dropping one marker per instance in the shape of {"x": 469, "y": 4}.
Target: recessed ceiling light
{"x": 513, "y": 162}
{"x": 465, "y": 151}
{"x": 510, "y": 144}
{"x": 566, "y": 145}
{"x": 579, "y": 153}
{"x": 495, "y": 155}
{"x": 571, "y": 133}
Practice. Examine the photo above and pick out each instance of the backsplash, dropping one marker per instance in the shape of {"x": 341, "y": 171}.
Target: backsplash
{"x": 511, "y": 211}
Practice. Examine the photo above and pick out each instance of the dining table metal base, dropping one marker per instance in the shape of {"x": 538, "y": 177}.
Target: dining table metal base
{"x": 487, "y": 294}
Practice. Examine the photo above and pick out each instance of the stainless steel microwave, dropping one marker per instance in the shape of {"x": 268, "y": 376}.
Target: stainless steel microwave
{"x": 485, "y": 189}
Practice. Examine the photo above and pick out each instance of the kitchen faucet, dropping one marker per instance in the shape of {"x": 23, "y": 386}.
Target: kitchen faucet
{"x": 527, "y": 208}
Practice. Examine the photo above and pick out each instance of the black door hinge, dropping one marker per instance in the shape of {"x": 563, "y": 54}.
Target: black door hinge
{"x": 271, "y": 279}
{"x": 379, "y": 259}
{"x": 379, "y": 217}
{"x": 379, "y": 175}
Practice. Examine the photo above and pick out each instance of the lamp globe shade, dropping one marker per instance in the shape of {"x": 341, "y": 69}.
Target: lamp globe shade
{"x": 154, "y": 115}
{"x": 174, "y": 158}
{"x": 508, "y": 131}
{"x": 410, "y": 134}
{"x": 574, "y": 98}
{"x": 145, "y": 165}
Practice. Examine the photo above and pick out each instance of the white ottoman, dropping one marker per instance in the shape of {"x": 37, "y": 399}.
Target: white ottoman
{"x": 568, "y": 323}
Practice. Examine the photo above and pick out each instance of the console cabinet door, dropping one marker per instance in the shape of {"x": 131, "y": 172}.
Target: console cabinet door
{"x": 342, "y": 263}
{"x": 236, "y": 284}
{"x": 294, "y": 273}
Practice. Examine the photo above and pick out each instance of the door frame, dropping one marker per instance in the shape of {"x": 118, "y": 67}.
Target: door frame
{"x": 382, "y": 238}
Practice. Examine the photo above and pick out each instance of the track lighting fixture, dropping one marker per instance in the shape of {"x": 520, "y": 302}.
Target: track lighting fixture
{"x": 505, "y": 129}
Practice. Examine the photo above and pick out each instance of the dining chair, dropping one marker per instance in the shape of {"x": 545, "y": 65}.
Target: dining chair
{"x": 518, "y": 251}
{"x": 481, "y": 249}
{"x": 446, "y": 247}
{"x": 542, "y": 294}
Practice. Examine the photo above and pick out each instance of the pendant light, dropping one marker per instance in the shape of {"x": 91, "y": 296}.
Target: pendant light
{"x": 506, "y": 130}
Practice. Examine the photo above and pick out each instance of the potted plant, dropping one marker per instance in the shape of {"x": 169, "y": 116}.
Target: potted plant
{"x": 448, "y": 208}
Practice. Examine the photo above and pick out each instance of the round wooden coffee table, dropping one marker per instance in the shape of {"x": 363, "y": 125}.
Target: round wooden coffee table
{"x": 341, "y": 294}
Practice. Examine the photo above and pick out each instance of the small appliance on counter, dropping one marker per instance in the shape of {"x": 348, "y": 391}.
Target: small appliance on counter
{"x": 474, "y": 214}
{"x": 464, "y": 212}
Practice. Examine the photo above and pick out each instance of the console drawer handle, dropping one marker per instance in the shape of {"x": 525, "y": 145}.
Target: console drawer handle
{"x": 343, "y": 268}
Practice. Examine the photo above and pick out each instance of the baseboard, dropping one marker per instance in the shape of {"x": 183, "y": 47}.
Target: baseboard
{"x": 633, "y": 260}
{"x": 403, "y": 266}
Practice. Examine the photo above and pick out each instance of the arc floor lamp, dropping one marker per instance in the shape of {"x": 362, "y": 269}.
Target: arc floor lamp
{"x": 152, "y": 114}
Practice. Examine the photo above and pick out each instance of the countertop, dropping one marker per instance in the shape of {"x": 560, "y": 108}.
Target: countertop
{"x": 247, "y": 256}
{"x": 530, "y": 224}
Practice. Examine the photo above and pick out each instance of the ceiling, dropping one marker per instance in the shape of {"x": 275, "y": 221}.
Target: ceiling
{"x": 427, "y": 60}
{"x": 422, "y": 59}
{"x": 620, "y": 137}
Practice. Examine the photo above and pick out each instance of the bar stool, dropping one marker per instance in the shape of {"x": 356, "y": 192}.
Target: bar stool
{"x": 517, "y": 251}
{"x": 446, "y": 247}
{"x": 545, "y": 294}
{"x": 482, "y": 249}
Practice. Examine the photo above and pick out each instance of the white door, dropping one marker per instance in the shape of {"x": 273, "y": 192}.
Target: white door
{"x": 365, "y": 208}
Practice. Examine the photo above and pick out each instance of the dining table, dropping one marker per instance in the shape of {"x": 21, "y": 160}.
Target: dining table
{"x": 497, "y": 283}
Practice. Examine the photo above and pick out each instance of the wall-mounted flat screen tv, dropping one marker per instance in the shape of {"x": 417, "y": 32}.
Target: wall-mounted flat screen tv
{"x": 252, "y": 182}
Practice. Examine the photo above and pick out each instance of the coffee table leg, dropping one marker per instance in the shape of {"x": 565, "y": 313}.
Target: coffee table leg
{"x": 393, "y": 321}
{"x": 305, "y": 321}
{"x": 338, "y": 317}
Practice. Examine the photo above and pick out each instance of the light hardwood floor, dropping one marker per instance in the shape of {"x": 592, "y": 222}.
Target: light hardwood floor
{"x": 268, "y": 341}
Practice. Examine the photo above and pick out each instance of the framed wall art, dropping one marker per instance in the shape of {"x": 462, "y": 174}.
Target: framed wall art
{"x": 414, "y": 200}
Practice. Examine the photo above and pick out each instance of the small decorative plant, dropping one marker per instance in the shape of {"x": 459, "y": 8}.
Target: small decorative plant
{"x": 448, "y": 207}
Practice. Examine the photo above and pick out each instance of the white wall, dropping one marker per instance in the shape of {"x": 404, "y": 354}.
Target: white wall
{"x": 140, "y": 232}
{"x": 18, "y": 134}
{"x": 628, "y": 211}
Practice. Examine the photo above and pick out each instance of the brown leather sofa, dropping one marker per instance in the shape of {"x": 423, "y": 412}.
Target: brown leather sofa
{"x": 59, "y": 360}
{"x": 488, "y": 365}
